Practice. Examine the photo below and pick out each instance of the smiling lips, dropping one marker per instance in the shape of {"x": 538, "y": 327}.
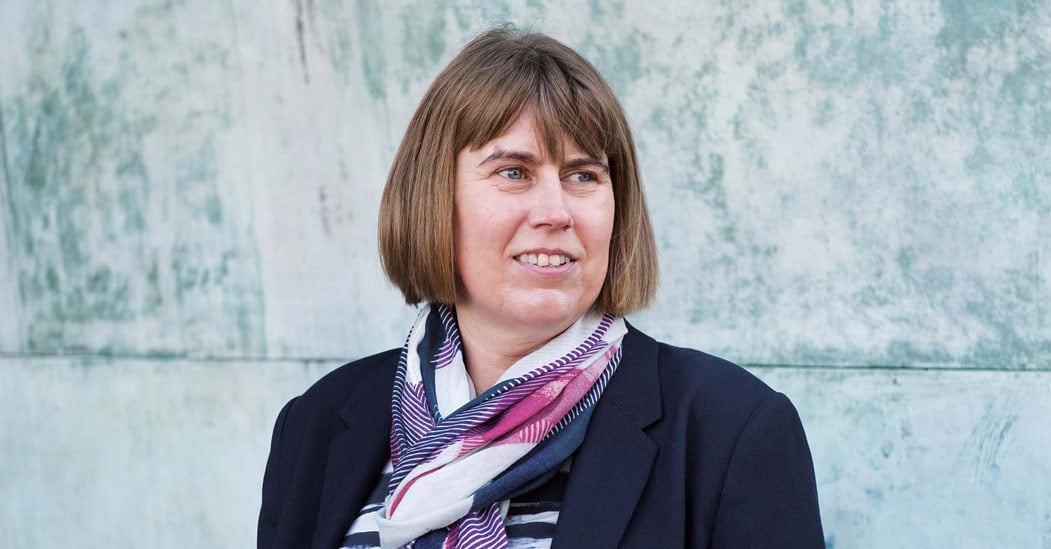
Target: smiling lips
{"x": 544, "y": 260}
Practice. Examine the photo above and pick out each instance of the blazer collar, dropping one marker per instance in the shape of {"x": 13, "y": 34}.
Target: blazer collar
{"x": 636, "y": 386}
{"x": 595, "y": 512}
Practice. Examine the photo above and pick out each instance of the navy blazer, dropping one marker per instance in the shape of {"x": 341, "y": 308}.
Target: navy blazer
{"x": 683, "y": 449}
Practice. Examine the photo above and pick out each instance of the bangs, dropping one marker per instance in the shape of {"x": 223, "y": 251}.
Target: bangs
{"x": 564, "y": 108}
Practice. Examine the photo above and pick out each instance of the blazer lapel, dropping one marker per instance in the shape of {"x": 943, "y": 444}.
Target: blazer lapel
{"x": 610, "y": 469}
{"x": 356, "y": 456}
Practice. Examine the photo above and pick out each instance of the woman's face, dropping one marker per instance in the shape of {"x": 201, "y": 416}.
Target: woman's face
{"x": 532, "y": 234}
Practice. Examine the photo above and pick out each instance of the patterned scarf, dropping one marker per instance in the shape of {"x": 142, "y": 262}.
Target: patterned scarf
{"x": 458, "y": 459}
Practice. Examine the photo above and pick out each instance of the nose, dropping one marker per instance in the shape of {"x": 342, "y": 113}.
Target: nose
{"x": 550, "y": 208}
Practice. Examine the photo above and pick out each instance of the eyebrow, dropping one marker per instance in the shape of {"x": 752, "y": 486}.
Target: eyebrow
{"x": 530, "y": 158}
{"x": 521, "y": 156}
{"x": 588, "y": 161}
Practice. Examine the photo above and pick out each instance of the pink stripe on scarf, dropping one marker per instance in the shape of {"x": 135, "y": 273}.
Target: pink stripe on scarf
{"x": 532, "y": 418}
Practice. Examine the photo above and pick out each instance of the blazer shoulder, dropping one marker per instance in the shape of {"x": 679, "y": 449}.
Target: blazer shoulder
{"x": 335, "y": 387}
{"x": 709, "y": 380}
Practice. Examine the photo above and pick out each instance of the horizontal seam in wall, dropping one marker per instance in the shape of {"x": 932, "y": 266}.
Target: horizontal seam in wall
{"x": 900, "y": 367}
{"x": 131, "y": 357}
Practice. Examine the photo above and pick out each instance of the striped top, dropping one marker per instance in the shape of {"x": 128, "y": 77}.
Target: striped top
{"x": 530, "y": 520}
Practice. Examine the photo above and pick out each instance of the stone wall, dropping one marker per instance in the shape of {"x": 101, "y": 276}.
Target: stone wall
{"x": 852, "y": 199}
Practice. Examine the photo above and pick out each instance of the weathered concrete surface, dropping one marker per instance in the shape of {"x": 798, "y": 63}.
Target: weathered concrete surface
{"x": 910, "y": 458}
{"x": 831, "y": 184}
{"x": 123, "y": 183}
{"x": 99, "y": 453}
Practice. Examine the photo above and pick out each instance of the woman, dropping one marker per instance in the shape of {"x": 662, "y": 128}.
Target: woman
{"x": 522, "y": 409}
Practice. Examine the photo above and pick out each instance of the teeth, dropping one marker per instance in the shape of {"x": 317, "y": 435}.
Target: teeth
{"x": 543, "y": 260}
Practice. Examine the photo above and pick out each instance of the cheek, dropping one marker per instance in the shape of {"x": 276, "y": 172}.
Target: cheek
{"x": 478, "y": 232}
{"x": 494, "y": 223}
{"x": 476, "y": 213}
{"x": 600, "y": 228}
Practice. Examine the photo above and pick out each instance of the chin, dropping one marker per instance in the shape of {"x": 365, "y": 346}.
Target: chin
{"x": 547, "y": 310}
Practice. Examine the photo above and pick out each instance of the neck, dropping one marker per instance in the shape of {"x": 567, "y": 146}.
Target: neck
{"x": 490, "y": 348}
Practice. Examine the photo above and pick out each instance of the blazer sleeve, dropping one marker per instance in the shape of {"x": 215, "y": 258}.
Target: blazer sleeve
{"x": 769, "y": 495}
{"x": 276, "y": 480}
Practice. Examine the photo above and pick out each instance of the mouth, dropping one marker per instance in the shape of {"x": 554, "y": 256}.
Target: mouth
{"x": 544, "y": 260}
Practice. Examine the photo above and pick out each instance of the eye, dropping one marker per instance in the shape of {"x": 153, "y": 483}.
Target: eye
{"x": 515, "y": 174}
{"x": 583, "y": 177}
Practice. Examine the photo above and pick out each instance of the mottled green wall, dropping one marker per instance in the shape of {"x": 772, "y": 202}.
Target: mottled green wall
{"x": 852, "y": 199}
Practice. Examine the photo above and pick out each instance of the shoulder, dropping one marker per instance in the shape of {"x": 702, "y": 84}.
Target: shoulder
{"x": 333, "y": 390}
{"x": 689, "y": 380}
{"x": 735, "y": 445}
{"x": 325, "y": 405}
{"x": 713, "y": 383}
{"x": 308, "y": 422}
{"x": 704, "y": 397}
{"x": 746, "y": 444}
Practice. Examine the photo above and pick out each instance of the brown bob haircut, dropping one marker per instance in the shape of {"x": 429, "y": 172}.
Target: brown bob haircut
{"x": 475, "y": 99}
